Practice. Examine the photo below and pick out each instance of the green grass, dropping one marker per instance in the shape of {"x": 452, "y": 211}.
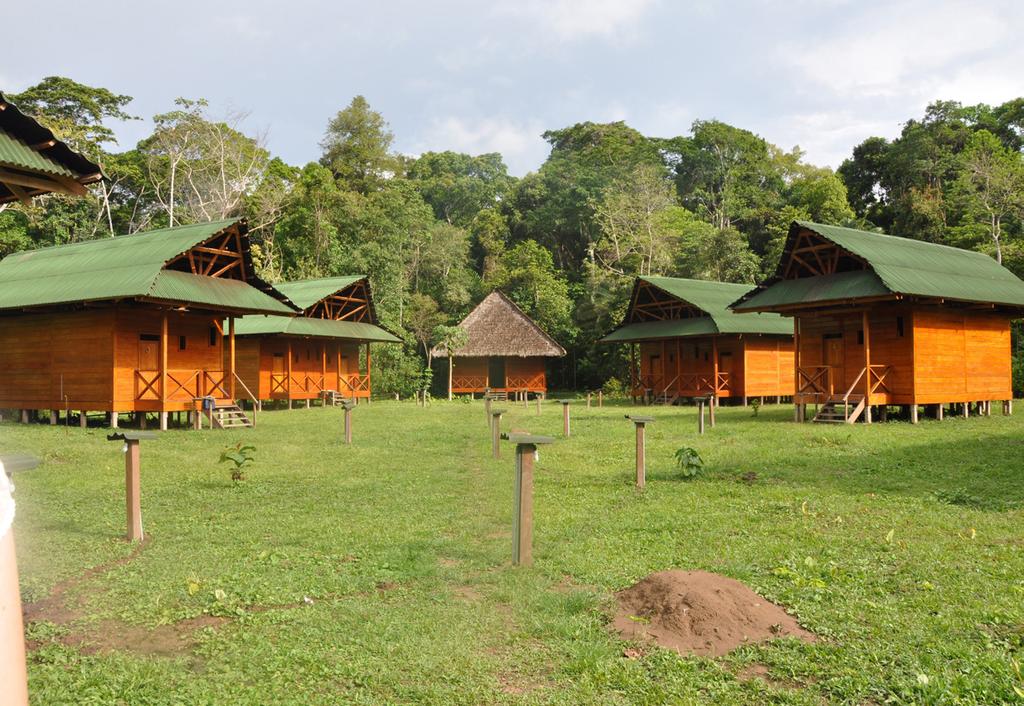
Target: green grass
{"x": 900, "y": 546}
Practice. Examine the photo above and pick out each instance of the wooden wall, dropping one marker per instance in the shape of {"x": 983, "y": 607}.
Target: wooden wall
{"x": 39, "y": 351}
{"x": 254, "y": 356}
{"x": 755, "y": 365}
{"x": 92, "y": 355}
{"x": 961, "y": 356}
{"x": 942, "y": 354}
{"x": 471, "y": 374}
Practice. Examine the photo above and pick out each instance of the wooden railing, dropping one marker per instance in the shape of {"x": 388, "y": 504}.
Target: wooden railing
{"x": 355, "y": 383}
{"x": 469, "y": 382}
{"x": 256, "y": 404}
{"x": 814, "y": 381}
{"x": 524, "y": 382}
{"x": 181, "y": 384}
{"x": 850, "y": 390}
{"x": 300, "y": 382}
{"x": 876, "y": 378}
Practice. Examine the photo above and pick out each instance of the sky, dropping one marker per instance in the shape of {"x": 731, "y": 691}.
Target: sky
{"x": 493, "y": 76}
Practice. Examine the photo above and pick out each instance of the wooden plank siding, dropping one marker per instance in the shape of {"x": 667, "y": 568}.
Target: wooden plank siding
{"x": 472, "y": 375}
{"x": 750, "y": 365}
{"x": 88, "y": 359}
{"x": 933, "y": 354}
{"x": 315, "y": 366}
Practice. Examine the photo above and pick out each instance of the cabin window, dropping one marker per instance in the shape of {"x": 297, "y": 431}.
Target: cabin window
{"x": 181, "y": 343}
{"x": 899, "y": 326}
{"x": 148, "y": 337}
{"x": 860, "y": 337}
{"x": 213, "y": 335}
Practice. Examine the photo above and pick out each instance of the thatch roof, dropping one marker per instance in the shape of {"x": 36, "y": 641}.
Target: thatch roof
{"x": 497, "y": 327}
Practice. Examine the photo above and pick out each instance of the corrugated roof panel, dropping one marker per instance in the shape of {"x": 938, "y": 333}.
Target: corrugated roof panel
{"x": 655, "y": 330}
{"x": 216, "y": 292}
{"x": 306, "y": 293}
{"x": 902, "y": 265}
{"x": 15, "y": 153}
{"x": 306, "y": 326}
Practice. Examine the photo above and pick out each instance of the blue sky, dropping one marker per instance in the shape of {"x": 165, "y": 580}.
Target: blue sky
{"x": 481, "y": 77}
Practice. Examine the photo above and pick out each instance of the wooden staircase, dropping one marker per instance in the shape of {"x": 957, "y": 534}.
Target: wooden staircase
{"x": 667, "y": 398}
{"x": 332, "y": 397}
{"x": 841, "y": 409}
{"x": 228, "y": 416}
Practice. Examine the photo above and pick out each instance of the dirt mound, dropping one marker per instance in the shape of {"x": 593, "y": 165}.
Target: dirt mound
{"x": 695, "y": 612}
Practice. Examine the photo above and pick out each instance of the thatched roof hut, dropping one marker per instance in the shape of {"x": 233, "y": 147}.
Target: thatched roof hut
{"x": 505, "y": 350}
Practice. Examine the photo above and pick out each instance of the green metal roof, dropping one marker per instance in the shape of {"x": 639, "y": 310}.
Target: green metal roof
{"x": 128, "y": 267}
{"x": 15, "y": 153}
{"x": 306, "y": 293}
{"x": 317, "y": 328}
{"x": 897, "y": 266}
{"x": 713, "y": 298}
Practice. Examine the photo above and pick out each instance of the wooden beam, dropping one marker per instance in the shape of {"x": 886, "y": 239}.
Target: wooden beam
{"x": 866, "y": 323}
{"x": 163, "y": 361}
{"x": 37, "y": 182}
{"x": 231, "y": 358}
{"x": 20, "y": 193}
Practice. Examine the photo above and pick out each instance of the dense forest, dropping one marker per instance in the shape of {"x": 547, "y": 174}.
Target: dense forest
{"x": 437, "y": 232}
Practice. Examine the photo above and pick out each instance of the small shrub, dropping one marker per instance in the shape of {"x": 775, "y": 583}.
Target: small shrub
{"x": 755, "y": 404}
{"x": 241, "y": 456}
{"x": 689, "y": 462}
{"x": 613, "y": 387}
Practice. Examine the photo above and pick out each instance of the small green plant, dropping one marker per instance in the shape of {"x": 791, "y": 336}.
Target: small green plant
{"x": 689, "y": 462}
{"x": 241, "y": 456}
{"x": 755, "y": 404}
{"x": 614, "y": 388}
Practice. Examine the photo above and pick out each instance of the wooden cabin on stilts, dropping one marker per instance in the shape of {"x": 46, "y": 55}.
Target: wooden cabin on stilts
{"x": 130, "y": 324}
{"x": 323, "y": 354}
{"x": 505, "y": 353}
{"x": 884, "y": 321}
{"x": 685, "y": 342}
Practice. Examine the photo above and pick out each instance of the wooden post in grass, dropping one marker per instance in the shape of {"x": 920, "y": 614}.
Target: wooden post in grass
{"x": 496, "y": 432}
{"x": 522, "y": 510}
{"x": 600, "y": 399}
{"x": 132, "y": 492}
{"x": 565, "y": 418}
{"x": 641, "y": 451}
{"x": 588, "y": 400}
{"x": 538, "y": 398}
{"x": 700, "y": 414}
{"x": 347, "y": 405}
{"x": 487, "y": 406}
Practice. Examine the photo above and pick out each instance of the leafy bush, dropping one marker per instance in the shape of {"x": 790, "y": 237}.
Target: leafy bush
{"x": 689, "y": 462}
{"x": 613, "y": 387}
{"x": 755, "y": 404}
{"x": 241, "y": 456}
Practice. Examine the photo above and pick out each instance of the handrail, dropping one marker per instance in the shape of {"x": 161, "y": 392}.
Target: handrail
{"x": 846, "y": 397}
{"x": 879, "y": 378}
{"x": 256, "y": 404}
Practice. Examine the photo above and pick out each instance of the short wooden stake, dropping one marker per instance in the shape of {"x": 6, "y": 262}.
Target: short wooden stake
{"x": 113, "y": 420}
{"x": 24, "y": 416}
{"x": 712, "y": 403}
{"x": 496, "y": 432}
{"x": 967, "y": 410}
{"x": 641, "y": 451}
{"x": 348, "y": 424}
{"x": 54, "y": 417}
{"x": 163, "y": 421}
{"x": 913, "y": 414}
{"x": 132, "y": 491}
{"x": 522, "y": 526}
{"x": 600, "y": 398}
{"x": 83, "y": 420}
{"x": 700, "y": 415}
{"x": 565, "y": 419}
{"x": 588, "y": 400}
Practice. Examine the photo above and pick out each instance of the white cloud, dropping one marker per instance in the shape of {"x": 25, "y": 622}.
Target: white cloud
{"x": 576, "y": 19}
{"x": 826, "y": 137}
{"x": 892, "y": 51}
{"x": 519, "y": 143}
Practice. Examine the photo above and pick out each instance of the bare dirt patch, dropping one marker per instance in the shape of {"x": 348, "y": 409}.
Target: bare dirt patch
{"x": 696, "y": 612}
{"x": 171, "y": 640}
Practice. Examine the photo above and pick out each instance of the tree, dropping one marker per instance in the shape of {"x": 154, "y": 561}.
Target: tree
{"x": 451, "y": 338}
{"x": 201, "y": 170}
{"x": 993, "y": 182}
{"x": 528, "y": 276}
{"x": 458, "y": 186}
{"x": 636, "y": 236}
{"x": 714, "y": 254}
{"x": 357, "y": 147}
{"x": 489, "y": 237}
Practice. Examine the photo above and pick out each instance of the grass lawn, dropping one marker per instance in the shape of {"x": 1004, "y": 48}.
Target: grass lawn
{"x": 379, "y": 573}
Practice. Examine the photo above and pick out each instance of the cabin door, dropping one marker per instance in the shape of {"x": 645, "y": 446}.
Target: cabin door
{"x": 725, "y": 368}
{"x": 834, "y": 358}
{"x": 149, "y": 352}
{"x": 657, "y": 370}
{"x": 496, "y": 373}
{"x": 279, "y": 368}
